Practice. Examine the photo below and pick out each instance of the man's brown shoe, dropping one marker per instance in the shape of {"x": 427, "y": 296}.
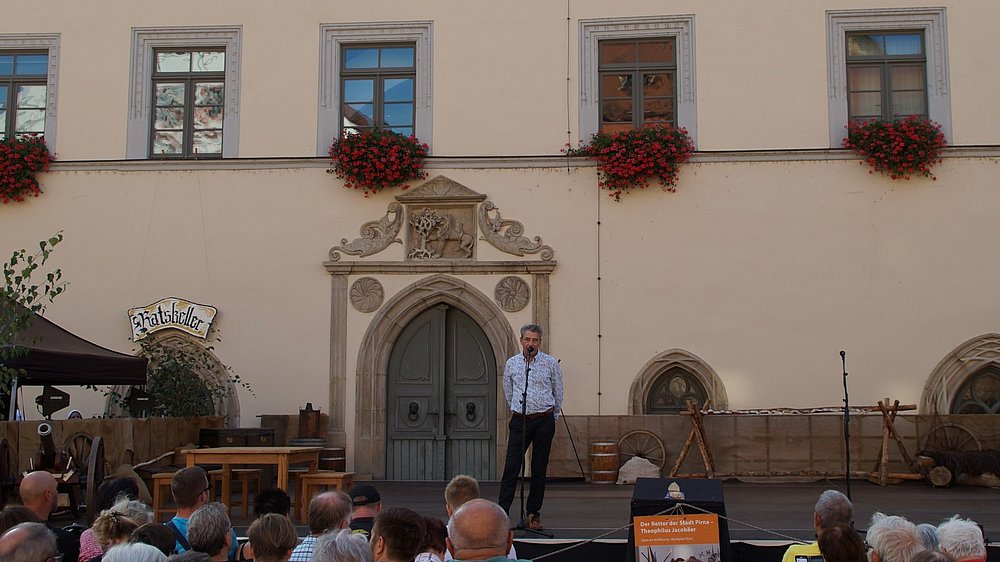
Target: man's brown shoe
{"x": 534, "y": 522}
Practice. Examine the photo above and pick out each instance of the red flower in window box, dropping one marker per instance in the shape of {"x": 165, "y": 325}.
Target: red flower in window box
{"x": 21, "y": 157}
{"x": 375, "y": 159}
{"x": 631, "y": 158}
{"x": 898, "y": 149}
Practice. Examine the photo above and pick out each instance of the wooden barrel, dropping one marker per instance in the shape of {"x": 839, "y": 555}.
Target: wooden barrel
{"x": 333, "y": 458}
{"x": 603, "y": 462}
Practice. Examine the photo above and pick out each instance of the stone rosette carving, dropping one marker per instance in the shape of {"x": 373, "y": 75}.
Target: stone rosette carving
{"x": 506, "y": 235}
{"x": 512, "y": 294}
{"x": 376, "y": 235}
{"x": 367, "y": 294}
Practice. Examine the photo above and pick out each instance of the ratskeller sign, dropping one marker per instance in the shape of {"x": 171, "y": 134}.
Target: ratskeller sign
{"x": 171, "y": 312}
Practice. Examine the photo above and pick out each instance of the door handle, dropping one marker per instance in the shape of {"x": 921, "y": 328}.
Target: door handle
{"x": 470, "y": 411}
{"x": 414, "y": 411}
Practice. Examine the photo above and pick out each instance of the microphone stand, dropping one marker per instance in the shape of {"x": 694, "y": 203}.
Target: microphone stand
{"x": 522, "y": 523}
{"x": 847, "y": 426}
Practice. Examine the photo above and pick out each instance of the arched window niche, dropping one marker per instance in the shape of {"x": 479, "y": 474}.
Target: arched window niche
{"x": 967, "y": 380}
{"x": 668, "y": 380}
{"x": 207, "y": 366}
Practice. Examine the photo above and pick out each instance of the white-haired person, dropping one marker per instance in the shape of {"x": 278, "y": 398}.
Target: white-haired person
{"x": 342, "y": 546}
{"x": 892, "y": 538}
{"x": 962, "y": 539}
{"x": 134, "y": 552}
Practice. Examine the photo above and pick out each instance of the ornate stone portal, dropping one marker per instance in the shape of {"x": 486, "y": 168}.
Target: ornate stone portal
{"x": 439, "y": 226}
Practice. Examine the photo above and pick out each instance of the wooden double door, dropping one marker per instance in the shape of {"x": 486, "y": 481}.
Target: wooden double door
{"x": 441, "y": 401}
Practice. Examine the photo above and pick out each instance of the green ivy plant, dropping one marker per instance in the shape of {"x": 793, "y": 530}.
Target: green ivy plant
{"x": 179, "y": 378}
{"x": 20, "y": 299}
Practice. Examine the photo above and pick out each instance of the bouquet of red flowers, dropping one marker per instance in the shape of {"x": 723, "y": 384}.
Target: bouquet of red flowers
{"x": 375, "y": 159}
{"x": 21, "y": 157}
{"x": 898, "y": 149}
{"x": 631, "y": 158}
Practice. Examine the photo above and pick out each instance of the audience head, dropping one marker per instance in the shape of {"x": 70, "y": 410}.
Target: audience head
{"x": 14, "y": 514}
{"x": 155, "y": 534}
{"x": 365, "y": 500}
{"x": 892, "y": 539}
{"x": 272, "y": 538}
{"x": 209, "y": 529}
{"x": 28, "y": 542}
{"x": 189, "y": 487}
{"x": 272, "y": 500}
{"x": 113, "y": 527}
{"x": 342, "y": 546}
{"x": 461, "y": 489}
{"x": 190, "y": 556}
{"x": 931, "y": 556}
{"x": 479, "y": 529}
{"x": 841, "y": 543}
{"x": 111, "y": 491}
{"x": 134, "y": 552}
{"x": 329, "y": 511}
{"x": 928, "y": 536}
{"x": 38, "y": 493}
{"x": 397, "y": 535}
{"x": 833, "y": 508}
{"x": 434, "y": 538}
{"x": 962, "y": 539}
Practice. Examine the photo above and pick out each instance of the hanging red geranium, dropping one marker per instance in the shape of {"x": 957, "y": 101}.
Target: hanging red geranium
{"x": 21, "y": 157}
{"x": 375, "y": 159}
{"x": 631, "y": 158}
{"x": 897, "y": 149}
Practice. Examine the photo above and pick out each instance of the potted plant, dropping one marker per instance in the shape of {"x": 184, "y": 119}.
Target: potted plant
{"x": 21, "y": 157}
{"x": 374, "y": 159}
{"x": 629, "y": 159}
{"x": 898, "y": 149}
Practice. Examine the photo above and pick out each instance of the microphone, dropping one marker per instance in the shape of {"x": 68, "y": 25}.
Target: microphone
{"x": 843, "y": 354}
{"x": 530, "y": 350}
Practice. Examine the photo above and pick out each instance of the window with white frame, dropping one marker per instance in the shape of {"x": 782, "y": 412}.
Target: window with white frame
{"x": 635, "y": 71}
{"x": 887, "y": 63}
{"x": 374, "y": 74}
{"x": 184, "y": 100}
{"x": 28, "y": 73}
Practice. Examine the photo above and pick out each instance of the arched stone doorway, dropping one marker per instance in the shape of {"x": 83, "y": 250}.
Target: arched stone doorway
{"x": 385, "y": 329}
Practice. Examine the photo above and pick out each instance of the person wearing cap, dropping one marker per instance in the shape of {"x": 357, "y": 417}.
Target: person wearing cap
{"x": 366, "y": 503}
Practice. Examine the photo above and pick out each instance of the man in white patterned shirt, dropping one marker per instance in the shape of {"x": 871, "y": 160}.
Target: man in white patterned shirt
{"x": 329, "y": 511}
{"x": 533, "y": 386}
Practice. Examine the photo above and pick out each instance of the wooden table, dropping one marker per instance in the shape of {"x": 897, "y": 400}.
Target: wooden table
{"x": 279, "y": 456}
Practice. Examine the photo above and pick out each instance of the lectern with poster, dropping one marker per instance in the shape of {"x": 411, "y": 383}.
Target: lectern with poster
{"x": 685, "y": 532}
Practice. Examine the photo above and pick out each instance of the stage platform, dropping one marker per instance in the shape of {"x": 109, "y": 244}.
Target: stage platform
{"x": 763, "y": 516}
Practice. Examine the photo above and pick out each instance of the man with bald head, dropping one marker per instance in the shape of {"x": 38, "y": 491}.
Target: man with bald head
{"x": 479, "y": 530}
{"x": 38, "y": 493}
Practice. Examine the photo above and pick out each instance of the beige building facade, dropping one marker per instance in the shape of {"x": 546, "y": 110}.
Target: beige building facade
{"x": 777, "y": 251}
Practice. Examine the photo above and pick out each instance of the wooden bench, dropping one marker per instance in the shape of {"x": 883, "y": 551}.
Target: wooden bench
{"x": 245, "y": 477}
{"x": 308, "y": 483}
{"x": 161, "y": 495}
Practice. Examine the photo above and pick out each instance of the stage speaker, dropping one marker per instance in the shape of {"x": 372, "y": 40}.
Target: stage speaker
{"x": 653, "y": 496}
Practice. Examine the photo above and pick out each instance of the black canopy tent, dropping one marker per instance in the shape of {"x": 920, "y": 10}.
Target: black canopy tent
{"x": 58, "y": 357}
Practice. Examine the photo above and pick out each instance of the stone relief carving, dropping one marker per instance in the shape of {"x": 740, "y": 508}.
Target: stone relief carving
{"x": 367, "y": 294}
{"x": 431, "y": 233}
{"x": 375, "y": 235}
{"x": 512, "y": 294}
{"x": 506, "y": 234}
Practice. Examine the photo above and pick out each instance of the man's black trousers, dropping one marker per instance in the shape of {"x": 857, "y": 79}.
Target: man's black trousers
{"x": 538, "y": 433}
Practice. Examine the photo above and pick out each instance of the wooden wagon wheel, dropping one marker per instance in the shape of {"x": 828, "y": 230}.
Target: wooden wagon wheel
{"x": 95, "y": 475}
{"x": 78, "y": 447}
{"x": 950, "y": 437}
{"x": 643, "y": 444}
